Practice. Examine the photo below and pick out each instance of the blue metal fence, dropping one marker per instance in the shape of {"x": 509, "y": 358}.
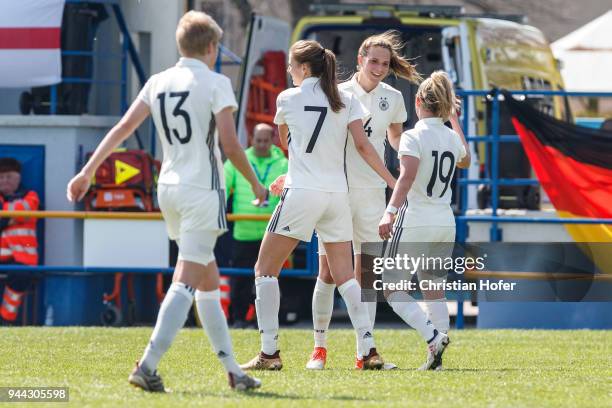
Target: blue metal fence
{"x": 494, "y": 181}
{"x": 128, "y": 54}
{"x": 494, "y": 139}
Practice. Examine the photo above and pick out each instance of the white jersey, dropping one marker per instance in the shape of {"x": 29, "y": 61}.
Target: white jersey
{"x": 438, "y": 149}
{"x": 183, "y": 100}
{"x": 317, "y": 136}
{"x": 386, "y": 106}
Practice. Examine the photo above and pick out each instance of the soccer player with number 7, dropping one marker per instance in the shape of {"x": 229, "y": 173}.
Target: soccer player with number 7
{"x": 187, "y": 102}
{"x": 419, "y": 210}
{"x": 313, "y": 119}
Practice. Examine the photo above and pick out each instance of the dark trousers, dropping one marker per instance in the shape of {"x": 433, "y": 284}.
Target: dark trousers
{"x": 19, "y": 281}
{"x": 242, "y": 293}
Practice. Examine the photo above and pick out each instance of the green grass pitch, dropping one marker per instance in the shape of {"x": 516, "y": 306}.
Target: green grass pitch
{"x": 494, "y": 368}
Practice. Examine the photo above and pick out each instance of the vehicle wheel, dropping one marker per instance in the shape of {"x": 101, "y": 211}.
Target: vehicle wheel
{"x": 111, "y": 316}
{"x": 25, "y": 103}
{"x": 483, "y": 196}
{"x": 532, "y": 198}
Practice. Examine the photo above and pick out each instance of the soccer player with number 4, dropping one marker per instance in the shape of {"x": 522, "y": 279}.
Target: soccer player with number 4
{"x": 378, "y": 56}
{"x": 187, "y": 102}
{"x": 428, "y": 156}
{"x": 313, "y": 120}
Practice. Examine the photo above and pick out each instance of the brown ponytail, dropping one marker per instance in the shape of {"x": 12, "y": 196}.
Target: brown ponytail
{"x": 399, "y": 65}
{"x": 322, "y": 63}
{"x": 437, "y": 95}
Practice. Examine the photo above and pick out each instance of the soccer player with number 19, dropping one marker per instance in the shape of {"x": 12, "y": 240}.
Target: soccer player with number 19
{"x": 186, "y": 101}
{"x": 428, "y": 156}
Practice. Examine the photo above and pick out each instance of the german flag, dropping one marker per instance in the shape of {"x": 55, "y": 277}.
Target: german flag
{"x": 573, "y": 165}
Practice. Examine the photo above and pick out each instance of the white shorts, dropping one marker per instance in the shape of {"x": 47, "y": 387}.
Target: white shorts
{"x": 194, "y": 217}
{"x": 367, "y": 208}
{"x": 301, "y": 211}
{"x": 425, "y": 234}
{"x": 425, "y": 239}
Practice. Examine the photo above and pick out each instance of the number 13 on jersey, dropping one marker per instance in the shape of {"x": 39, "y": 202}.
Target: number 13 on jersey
{"x": 177, "y": 111}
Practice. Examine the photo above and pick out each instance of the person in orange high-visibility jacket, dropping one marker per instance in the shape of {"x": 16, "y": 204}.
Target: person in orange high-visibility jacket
{"x": 18, "y": 243}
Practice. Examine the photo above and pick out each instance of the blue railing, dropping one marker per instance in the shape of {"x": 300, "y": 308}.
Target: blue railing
{"x": 494, "y": 181}
{"x": 127, "y": 49}
{"x": 128, "y": 54}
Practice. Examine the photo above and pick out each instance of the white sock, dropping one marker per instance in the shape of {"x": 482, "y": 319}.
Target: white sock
{"x": 358, "y": 312}
{"x": 437, "y": 313}
{"x": 215, "y": 326}
{"x": 372, "y": 315}
{"x": 322, "y": 308}
{"x": 406, "y": 308}
{"x": 172, "y": 315}
{"x": 267, "y": 304}
{"x": 372, "y": 312}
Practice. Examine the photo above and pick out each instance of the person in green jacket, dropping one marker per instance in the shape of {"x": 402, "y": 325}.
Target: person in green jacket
{"x": 268, "y": 162}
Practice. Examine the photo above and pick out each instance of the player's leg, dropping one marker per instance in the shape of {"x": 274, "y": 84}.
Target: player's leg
{"x": 175, "y": 306}
{"x": 435, "y": 300}
{"x": 340, "y": 265}
{"x": 367, "y": 206}
{"x": 406, "y": 307}
{"x": 214, "y": 323}
{"x": 335, "y": 229}
{"x": 293, "y": 220}
{"x": 371, "y": 305}
{"x": 275, "y": 249}
{"x": 322, "y": 308}
{"x": 171, "y": 318}
{"x": 442, "y": 240}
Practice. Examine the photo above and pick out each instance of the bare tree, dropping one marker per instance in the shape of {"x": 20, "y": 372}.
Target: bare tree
{"x": 245, "y": 10}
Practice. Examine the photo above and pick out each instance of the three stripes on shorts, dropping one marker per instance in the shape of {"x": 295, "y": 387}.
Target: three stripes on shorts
{"x": 276, "y": 215}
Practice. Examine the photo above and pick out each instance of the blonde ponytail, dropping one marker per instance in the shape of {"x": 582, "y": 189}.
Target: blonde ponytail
{"x": 437, "y": 95}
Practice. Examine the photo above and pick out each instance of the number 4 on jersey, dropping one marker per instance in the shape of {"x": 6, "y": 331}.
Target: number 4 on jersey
{"x": 367, "y": 128}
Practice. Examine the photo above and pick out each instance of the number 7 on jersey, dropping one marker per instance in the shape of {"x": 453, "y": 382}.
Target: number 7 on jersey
{"x": 315, "y": 134}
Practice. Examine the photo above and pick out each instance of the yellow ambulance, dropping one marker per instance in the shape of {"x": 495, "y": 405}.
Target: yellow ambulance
{"x": 478, "y": 52}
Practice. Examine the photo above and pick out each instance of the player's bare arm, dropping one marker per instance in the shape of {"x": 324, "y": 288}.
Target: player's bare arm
{"x": 408, "y": 171}
{"x": 467, "y": 159}
{"x": 233, "y": 151}
{"x": 136, "y": 114}
{"x": 283, "y": 133}
{"x": 394, "y": 134}
{"x": 367, "y": 151}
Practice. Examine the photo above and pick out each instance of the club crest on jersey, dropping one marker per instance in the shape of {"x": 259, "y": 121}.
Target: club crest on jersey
{"x": 383, "y": 104}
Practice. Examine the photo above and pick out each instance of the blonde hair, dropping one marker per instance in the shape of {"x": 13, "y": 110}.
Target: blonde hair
{"x": 322, "y": 63}
{"x": 195, "y": 32}
{"x": 399, "y": 65}
{"x": 437, "y": 95}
